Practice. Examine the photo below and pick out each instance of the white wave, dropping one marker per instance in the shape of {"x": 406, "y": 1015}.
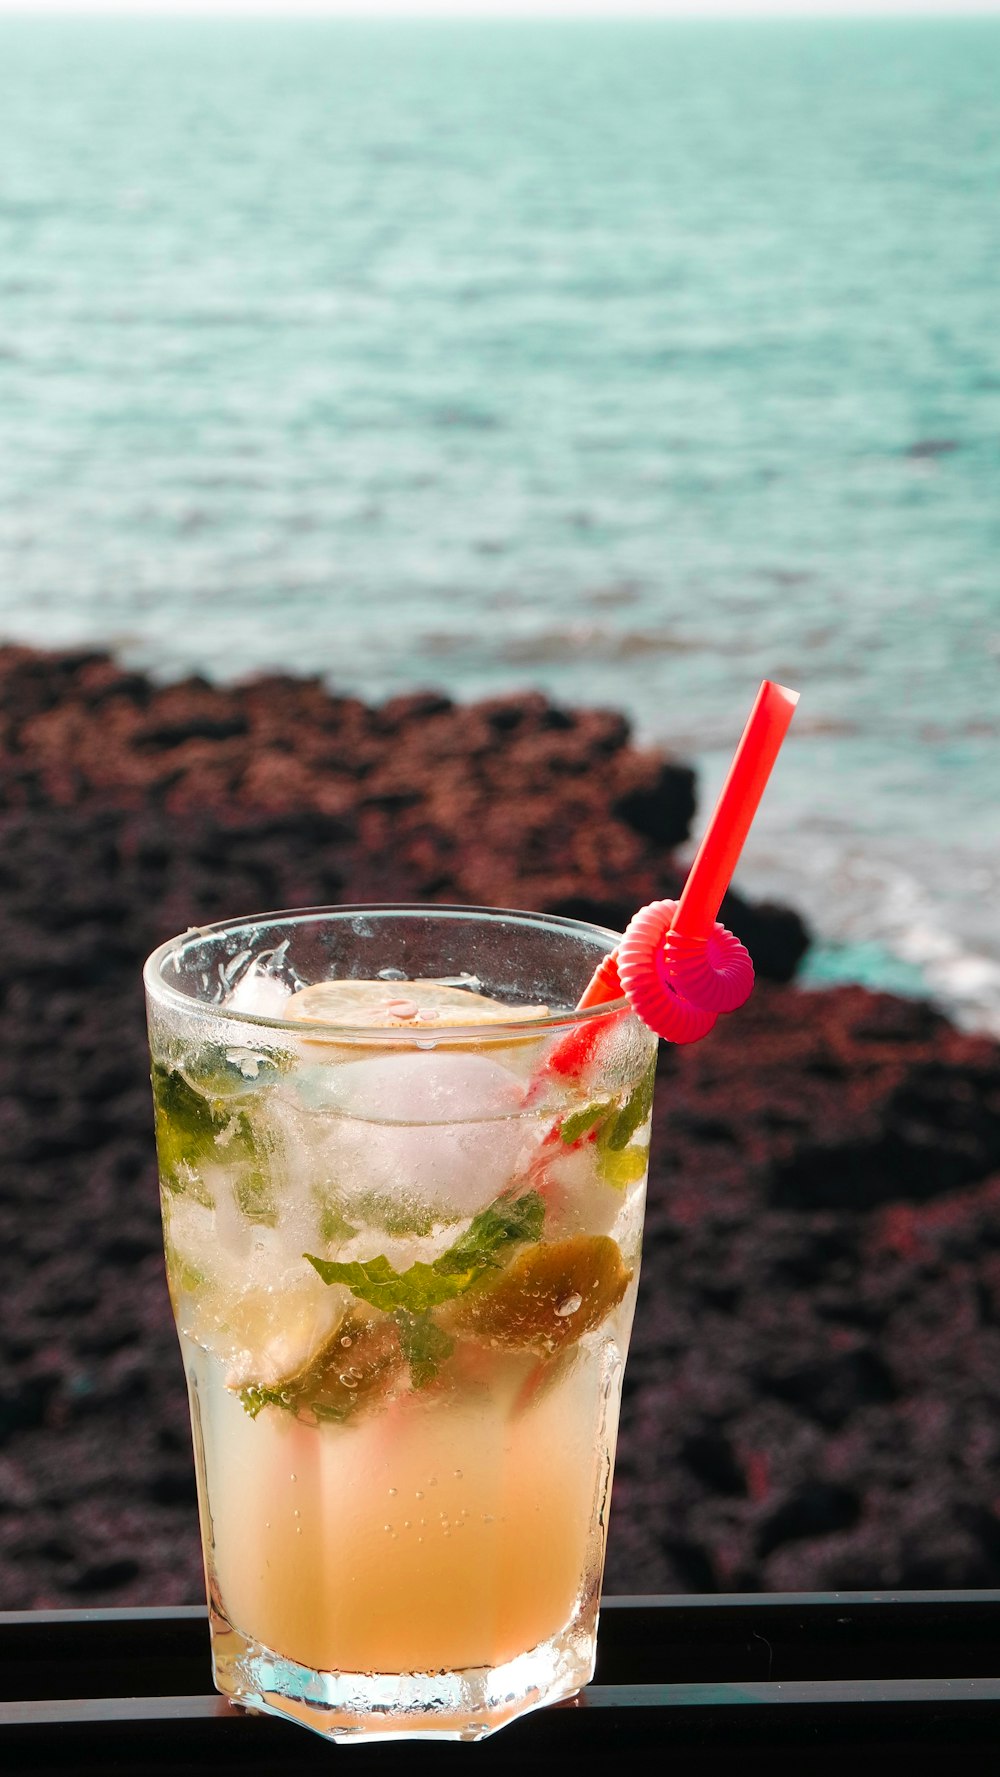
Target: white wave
{"x": 894, "y": 907}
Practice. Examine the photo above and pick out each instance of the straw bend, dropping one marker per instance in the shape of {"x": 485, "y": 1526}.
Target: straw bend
{"x": 678, "y": 967}
{"x": 646, "y": 976}
{"x": 714, "y": 973}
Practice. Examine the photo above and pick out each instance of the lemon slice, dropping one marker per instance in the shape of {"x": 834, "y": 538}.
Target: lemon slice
{"x": 420, "y": 1006}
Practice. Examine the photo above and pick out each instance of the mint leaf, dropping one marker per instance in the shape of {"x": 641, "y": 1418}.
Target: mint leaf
{"x": 176, "y": 1100}
{"x": 204, "y": 1116}
{"x": 185, "y": 1132}
{"x": 333, "y": 1224}
{"x": 376, "y": 1281}
{"x": 254, "y": 1193}
{"x": 330, "y": 1412}
{"x": 424, "y": 1345}
{"x": 378, "y": 1210}
{"x": 619, "y": 1164}
{"x": 343, "y": 1374}
{"x": 506, "y": 1222}
{"x": 184, "y": 1277}
{"x": 255, "y": 1397}
{"x": 200, "y": 1116}
{"x": 372, "y": 1209}
{"x": 634, "y": 1111}
{"x": 578, "y": 1123}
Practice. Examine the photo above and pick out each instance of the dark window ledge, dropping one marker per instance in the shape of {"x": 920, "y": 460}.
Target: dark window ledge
{"x": 788, "y": 1675}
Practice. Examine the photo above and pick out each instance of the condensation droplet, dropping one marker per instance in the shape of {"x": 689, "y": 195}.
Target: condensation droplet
{"x": 457, "y": 1473}
{"x": 293, "y": 1477}
{"x": 345, "y": 1341}
{"x": 392, "y": 1492}
{"x": 296, "y": 1514}
{"x": 418, "y": 1494}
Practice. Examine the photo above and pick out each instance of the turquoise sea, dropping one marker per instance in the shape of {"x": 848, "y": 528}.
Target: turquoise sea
{"x": 634, "y": 361}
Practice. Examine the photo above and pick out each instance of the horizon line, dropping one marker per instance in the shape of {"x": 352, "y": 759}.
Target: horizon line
{"x": 511, "y": 11}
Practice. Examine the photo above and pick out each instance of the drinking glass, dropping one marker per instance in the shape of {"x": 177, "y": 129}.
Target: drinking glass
{"x": 402, "y": 1254}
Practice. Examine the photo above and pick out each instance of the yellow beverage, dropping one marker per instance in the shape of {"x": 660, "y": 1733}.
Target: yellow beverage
{"x": 403, "y": 1255}
{"x": 456, "y": 1532}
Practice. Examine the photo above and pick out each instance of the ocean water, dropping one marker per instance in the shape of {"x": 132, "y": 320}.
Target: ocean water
{"x": 633, "y": 361}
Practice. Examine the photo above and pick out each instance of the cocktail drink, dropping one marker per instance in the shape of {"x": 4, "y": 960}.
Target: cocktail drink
{"x": 403, "y": 1161}
{"x": 402, "y": 1186}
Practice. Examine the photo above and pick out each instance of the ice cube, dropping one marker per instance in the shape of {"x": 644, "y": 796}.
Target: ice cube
{"x": 260, "y": 993}
{"x": 443, "y": 1131}
{"x": 423, "y": 1086}
{"x": 577, "y": 1200}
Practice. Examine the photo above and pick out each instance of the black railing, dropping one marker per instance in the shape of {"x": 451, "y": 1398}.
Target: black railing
{"x": 698, "y": 1680}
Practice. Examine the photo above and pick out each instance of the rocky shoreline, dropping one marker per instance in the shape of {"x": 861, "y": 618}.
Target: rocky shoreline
{"x": 813, "y": 1398}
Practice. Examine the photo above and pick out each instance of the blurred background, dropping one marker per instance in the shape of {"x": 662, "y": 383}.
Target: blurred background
{"x": 621, "y": 359}
{"x": 636, "y": 359}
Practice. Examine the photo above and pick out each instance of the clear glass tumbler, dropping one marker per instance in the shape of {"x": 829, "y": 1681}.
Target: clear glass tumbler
{"x": 403, "y": 1254}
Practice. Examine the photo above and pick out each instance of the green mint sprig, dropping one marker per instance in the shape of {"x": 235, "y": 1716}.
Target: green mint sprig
{"x": 506, "y": 1223}
{"x": 256, "y": 1396}
{"x": 615, "y": 1124}
{"x": 423, "y": 1343}
{"x": 201, "y": 1118}
{"x": 377, "y": 1281}
{"x": 333, "y": 1224}
{"x": 410, "y": 1295}
{"x": 372, "y": 1209}
{"x": 580, "y": 1123}
{"x": 421, "y": 1286}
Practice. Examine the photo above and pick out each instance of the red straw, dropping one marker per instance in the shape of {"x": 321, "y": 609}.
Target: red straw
{"x": 712, "y": 870}
{"x": 725, "y": 835}
{"x": 717, "y": 855}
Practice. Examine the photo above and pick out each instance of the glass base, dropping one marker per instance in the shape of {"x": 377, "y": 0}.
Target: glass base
{"x": 353, "y": 1706}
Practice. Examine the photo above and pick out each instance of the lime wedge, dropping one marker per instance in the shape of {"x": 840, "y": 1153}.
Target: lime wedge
{"x": 547, "y": 1297}
{"x": 357, "y": 1365}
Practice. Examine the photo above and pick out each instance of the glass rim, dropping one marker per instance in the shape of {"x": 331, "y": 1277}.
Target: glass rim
{"x": 160, "y": 990}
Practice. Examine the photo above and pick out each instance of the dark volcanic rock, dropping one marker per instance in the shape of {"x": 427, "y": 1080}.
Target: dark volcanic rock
{"x": 512, "y": 802}
{"x": 814, "y": 1393}
{"x": 813, "y": 1398}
